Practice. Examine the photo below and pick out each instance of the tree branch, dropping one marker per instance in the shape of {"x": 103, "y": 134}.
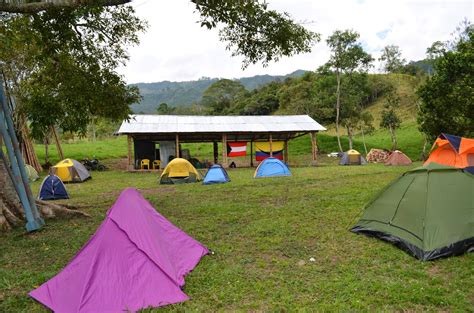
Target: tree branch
{"x": 34, "y": 7}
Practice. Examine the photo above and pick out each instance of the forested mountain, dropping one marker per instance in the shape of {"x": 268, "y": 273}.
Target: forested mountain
{"x": 189, "y": 92}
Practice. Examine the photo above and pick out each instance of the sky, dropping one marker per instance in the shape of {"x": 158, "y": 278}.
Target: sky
{"x": 176, "y": 48}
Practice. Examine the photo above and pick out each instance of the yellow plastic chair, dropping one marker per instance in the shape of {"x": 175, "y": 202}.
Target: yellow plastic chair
{"x": 143, "y": 163}
{"x": 156, "y": 164}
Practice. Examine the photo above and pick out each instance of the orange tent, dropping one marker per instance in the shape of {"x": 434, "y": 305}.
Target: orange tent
{"x": 453, "y": 151}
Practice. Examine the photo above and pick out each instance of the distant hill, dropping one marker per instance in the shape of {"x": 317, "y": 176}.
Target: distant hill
{"x": 187, "y": 92}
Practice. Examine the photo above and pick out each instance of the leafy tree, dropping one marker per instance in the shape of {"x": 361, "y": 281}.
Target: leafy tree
{"x": 261, "y": 101}
{"x": 220, "y": 96}
{"x": 164, "y": 109}
{"x": 446, "y": 97}
{"x": 392, "y": 58}
{"x": 347, "y": 56}
{"x": 390, "y": 119}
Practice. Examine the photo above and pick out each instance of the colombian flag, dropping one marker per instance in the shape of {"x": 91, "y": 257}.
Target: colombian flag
{"x": 263, "y": 150}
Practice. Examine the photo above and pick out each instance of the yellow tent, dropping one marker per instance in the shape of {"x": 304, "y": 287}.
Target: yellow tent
{"x": 69, "y": 170}
{"x": 179, "y": 171}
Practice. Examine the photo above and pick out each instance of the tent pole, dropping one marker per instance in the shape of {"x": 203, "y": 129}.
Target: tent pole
{"x": 271, "y": 146}
{"x": 129, "y": 152}
{"x": 224, "y": 151}
{"x": 177, "y": 145}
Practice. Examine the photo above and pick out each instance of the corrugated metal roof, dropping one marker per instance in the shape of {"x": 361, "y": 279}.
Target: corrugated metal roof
{"x": 218, "y": 124}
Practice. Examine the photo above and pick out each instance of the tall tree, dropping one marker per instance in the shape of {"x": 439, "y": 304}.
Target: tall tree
{"x": 390, "y": 119}
{"x": 347, "y": 56}
{"x": 392, "y": 59}
{"x": 220, "y": 96}
{"x": 447, "y": 104}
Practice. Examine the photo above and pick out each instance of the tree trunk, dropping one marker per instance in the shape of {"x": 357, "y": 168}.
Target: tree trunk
{"x": 349, "y": 136}
{"x": 11, "y": 210}
{"x": 394, "y": 138}
{"x": 338, "y": 107}
{"x": 46, "y": 150}
{"x": 363, "y": 140}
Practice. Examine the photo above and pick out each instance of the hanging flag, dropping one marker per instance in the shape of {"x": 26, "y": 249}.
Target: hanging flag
{"x": 235, "y": 149}
{"x": 263, "y": 150}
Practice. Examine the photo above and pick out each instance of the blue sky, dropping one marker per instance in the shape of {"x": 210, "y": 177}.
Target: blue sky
{"x": 176, "y": 48}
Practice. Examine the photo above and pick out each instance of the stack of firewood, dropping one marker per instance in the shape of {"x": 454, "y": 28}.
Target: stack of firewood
{"x": 377, "y": 156}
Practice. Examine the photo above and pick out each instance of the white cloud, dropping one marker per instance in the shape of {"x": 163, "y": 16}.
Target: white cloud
{"x": 176, "y": 48}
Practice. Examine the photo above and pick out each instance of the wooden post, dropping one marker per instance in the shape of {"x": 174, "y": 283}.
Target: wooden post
{"x": 314, "y": 148}
{"x": 129, "y": 152}
{"x": 251, "y": 153}
{"x": 58, "y": 143}
{"x": 216, "y": 153}
{"x": 177, "y": 146}
{"x": 271, "y": 146}
{"x": 285, "y": 153}
{"x": 224, "y": 151}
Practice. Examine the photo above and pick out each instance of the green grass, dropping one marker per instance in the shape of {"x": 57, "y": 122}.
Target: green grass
{"x": 262, "y": 231}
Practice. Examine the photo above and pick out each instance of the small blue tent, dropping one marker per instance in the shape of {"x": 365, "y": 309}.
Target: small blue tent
{"x": 272, "y": 167}
{"x": 52, "y": 188}
{"x": 216, "y": 175}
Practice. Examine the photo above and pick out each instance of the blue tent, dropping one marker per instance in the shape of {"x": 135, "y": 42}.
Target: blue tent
{"x": 215, "y": 175}
{"x": 272, "y": 167}
{"x": 52, "y": 188}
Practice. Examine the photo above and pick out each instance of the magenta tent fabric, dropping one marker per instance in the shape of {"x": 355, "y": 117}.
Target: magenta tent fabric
{"x": 136, "y": 259}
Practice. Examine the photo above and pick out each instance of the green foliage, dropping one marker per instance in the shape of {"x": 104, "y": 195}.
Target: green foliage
{"x": 68, "y": 71}
{"x": 446, "y": 97}
{"x": 392, "y": 58}
{"x": 254, "y": 31}
{"x": 164, "y": 109}
{"x": 261, "y": 101}
{"x": 389, "y": 118}
{"x": 221, "y": 95}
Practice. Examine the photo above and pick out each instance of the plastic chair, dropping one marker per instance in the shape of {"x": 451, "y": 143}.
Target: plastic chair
{"x": 156, "y": 164}
{"x": 143, "y": 163}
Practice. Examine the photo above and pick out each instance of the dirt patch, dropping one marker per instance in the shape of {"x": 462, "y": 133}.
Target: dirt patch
{"x": 117, "y": 164}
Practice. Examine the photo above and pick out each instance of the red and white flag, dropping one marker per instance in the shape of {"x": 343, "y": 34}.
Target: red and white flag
{"x": 235, "y": 149}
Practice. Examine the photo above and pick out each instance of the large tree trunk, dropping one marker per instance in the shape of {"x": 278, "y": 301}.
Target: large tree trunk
{"x": 338, "y": 108}
{"x": 11, "y": 210}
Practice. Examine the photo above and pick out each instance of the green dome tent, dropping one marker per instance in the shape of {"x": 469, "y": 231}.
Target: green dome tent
{"x": 428, "y": 211}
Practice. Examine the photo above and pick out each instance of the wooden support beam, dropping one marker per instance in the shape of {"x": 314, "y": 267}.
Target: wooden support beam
{"x": 129, "y": 153}
{"x": 216, "y": 152}
{"x": 58, "y": 143}
{"x": 224, "y": 151}
{"x": 285, "y": 152}
{"x": 314, "y": 148}
{"x": 271, "y": 146}
{"x": 177, "y": 146}
{"x": 251, "y": 153}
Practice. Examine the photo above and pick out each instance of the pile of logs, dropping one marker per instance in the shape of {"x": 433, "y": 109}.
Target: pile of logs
{"x": 377, "y": 156}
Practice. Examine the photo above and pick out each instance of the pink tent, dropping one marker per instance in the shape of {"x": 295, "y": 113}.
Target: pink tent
{"x": 136, "y": 259}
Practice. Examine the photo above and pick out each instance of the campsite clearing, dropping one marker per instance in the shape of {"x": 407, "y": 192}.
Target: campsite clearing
{"x": 263, "y": 232}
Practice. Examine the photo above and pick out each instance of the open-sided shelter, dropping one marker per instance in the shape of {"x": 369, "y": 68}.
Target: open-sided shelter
{"x": 453, "y": 151}
{"x": 271, "y": 167}
{"x": 398, "y": 158}
{"x": 352, "y": 157}
{"x": 136, "y": 259}
{"x": 180, "y": 171}
{"x": 428, "y": 211}
{"x": 216, "y": 175}
{"x": 71, "y": 171}
{"x": 150, "y": 135}
{"x": 52, "y": 188}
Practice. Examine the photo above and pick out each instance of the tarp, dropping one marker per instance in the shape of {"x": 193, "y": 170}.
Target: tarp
{"x": 180, "y": 171}
{"x": 52, "y": 188}
{"x": 31, "y": 172}
{"x": 428, "y": 211}
{"x": 215, "y": 175}
{"x": 262, "y": 150}
{"x": 398, "y": 158}
{"x": 272, "y": 167}
{"x": 70, "y": 171}
{"x": 453, "y": 151}
{"x": 136, "y": 259}
{"x": 377, "y": 155}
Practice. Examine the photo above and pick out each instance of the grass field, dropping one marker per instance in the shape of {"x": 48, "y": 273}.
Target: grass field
{"x": 263, "y": 232}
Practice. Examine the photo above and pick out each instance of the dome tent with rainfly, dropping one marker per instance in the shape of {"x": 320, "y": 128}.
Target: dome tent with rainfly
{"x": 52, "y": 188}
{"x": 352, "y": 157}
{"x": 70, "y": 171}
{"x": 398, "y": 158}
{"x": 180, "y": 171}
{"x": 271, "y": 167}
{"x": 31, "y": 172}
{"x": 428, "y": 211}
{"x": 453, "y": 151}
{"x": 216, "y": 175}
